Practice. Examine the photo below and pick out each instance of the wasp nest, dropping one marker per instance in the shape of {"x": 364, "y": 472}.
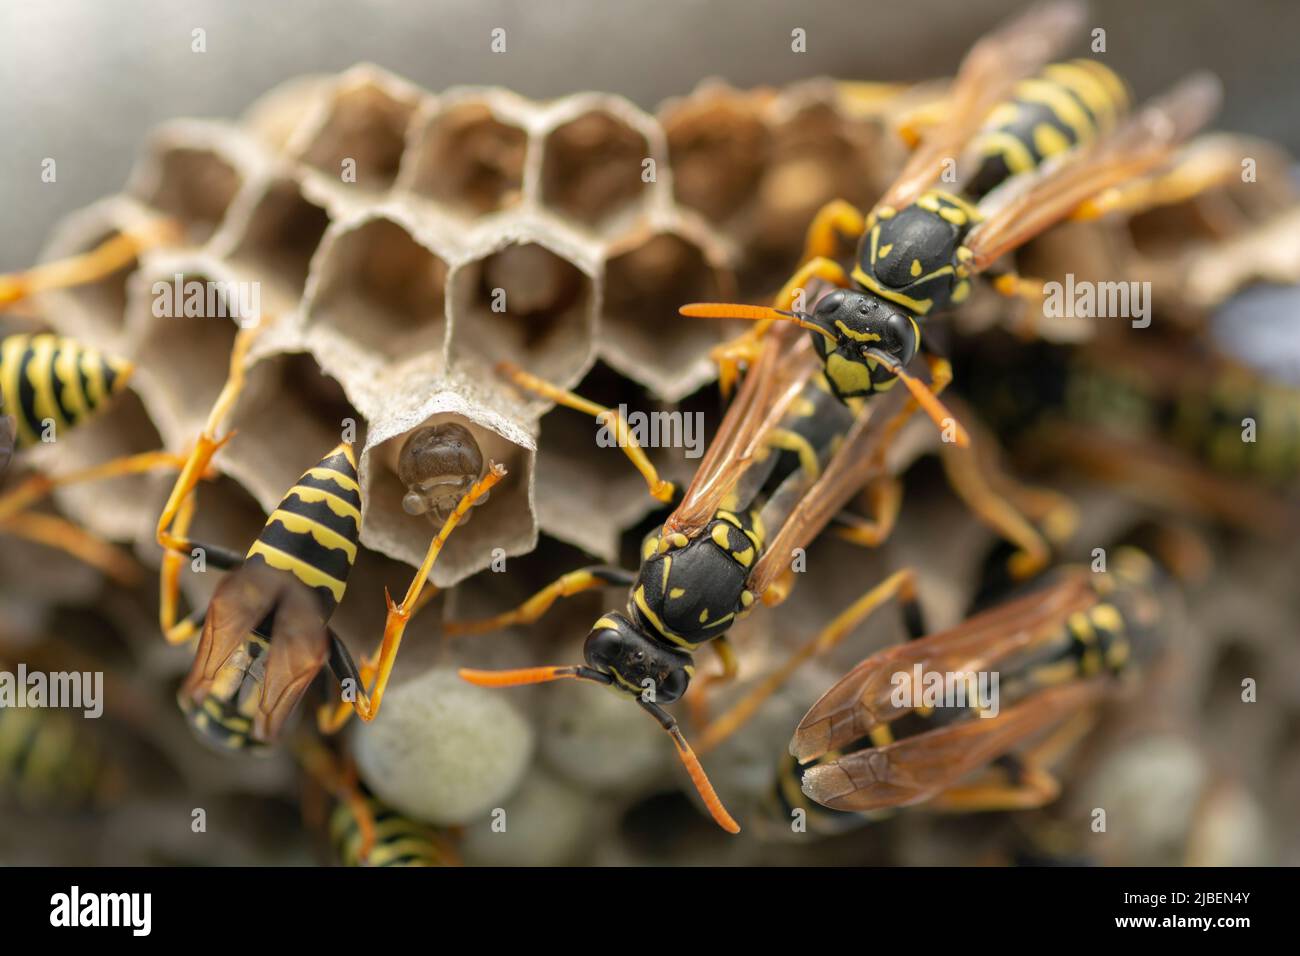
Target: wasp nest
{"x": 401, "y": 244}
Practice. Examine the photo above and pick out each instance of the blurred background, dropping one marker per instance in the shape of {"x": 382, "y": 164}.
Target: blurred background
{"x": 83, "y": 81}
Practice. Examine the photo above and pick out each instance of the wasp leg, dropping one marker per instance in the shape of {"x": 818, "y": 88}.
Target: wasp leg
{"x": 1035, "y": 788}
{"x": 197, "y": 465}
{"x": 912, "y": 127}
{"x": 698, "y": 703}
{"x": 900, "y": 585}
{"x": 1031, "y": 784}
{"x": 367, "y": 705}
{"x": 111, "y": 255}
{"x": 836, "y": 221}
{"x": 575, "y": 582}
{"x": 1197, "y": 170}
{"x": 37, "y": 487}
{"x": 186, "y": 629}
{"x": 660, "y": 489}
{"x": 973, "y": 478}
{"x": 884, "y": 498}
{"x": 62, "y": 535}
{"x": 223, "y": 559}
{"x": 339, "y": 779}
{"x": 743, "y": 349}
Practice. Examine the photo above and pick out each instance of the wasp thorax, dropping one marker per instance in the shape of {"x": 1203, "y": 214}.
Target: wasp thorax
{"x": 438, "y": 464}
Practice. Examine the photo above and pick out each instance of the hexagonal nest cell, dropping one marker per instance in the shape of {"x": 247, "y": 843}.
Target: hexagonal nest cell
{"x": 311, "y": 415}
{"x": 365, "y": 122}
{"x": 181, "y": 361}
{"x": 646, "y": 281}
{"x": 718, "y": 145}
{"x": 382, "y": 289}
{"x": 193, "y": 184}
{"x": 278, "y": 240}
{"x": 527, "y": 304}
{"x": 469, "y": 159}
{"x": 592, "y": 167}
{"x": 505, "y": 520}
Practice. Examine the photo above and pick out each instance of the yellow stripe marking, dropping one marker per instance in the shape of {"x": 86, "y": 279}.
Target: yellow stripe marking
{"x": 339, "y": 506}
{"x": 325, "y": 536}
{"x": 309, "y": 574}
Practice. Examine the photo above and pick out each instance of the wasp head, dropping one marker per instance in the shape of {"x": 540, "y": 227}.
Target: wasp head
{"x": 636, "y": 662}
{"x": 858, "y": 324}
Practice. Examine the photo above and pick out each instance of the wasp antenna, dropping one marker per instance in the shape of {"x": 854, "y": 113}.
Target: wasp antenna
{"x": 928, "y": 401}
{"x": 752, "y": 313}
{"x": 531, "y": 675}
{"x": 694, "y": 769}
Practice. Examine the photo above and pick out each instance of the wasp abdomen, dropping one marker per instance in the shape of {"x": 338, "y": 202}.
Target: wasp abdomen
{"x": 1066, "y": 105}
{"x": 314, "y": 531}
{"x": 48, "y": 380}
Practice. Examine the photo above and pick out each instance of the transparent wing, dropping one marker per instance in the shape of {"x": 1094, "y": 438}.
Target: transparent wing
{"x": 860, "y": 700}
{"x": 245, "y": 599}
{"x": 918, "y": 768}
{"x": 986, "y": 76}
{"x": 772, "y": 383}
{"x": 1041, "y": 199}
{"x": 860, "y": 458}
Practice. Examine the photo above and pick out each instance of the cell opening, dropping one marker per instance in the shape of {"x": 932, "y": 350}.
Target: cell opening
{"x": 471, "y": 160}
{"x": 366, "y": 125}
{"x": 195, "y": 186}
{"x": 175, "y": 370}
{"x": 592, "y": 167}
{"x": 526, "y": 304}
{"x": 280, "y": 238}
{"x": 718, "y": 148}
{"x": 504, "y": 520}
{"x": 382, "y": 289}
{"x": 288, "y": 417}
{"x": 644, "y": 287}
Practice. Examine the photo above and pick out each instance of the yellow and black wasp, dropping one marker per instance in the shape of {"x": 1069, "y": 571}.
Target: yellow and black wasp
{"x": 1042, "y": 147}
{"x": 724, "y": 547}
{"x": 1060, "y": 647}
{"x": 265, "y": 635}
{"x": 362, "y": 830}
{"x": 50, "y": 384}
{"x": 1167, "y": 420}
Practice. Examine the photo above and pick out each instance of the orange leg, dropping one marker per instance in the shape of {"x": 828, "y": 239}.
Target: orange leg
{"x": 111, "y": 255}
{"x": 367, "y": 706}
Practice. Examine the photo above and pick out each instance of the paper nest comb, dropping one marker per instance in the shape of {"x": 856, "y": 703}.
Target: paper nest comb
{"x": 382, "y": 290}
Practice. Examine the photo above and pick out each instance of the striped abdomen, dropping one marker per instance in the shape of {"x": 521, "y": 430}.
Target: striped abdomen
{"x": 314, "y": 531}
{"x": 399, "y": 840}
{"x": 48, "y": 382}
{"x": 1066, "y": 105}
{"x": 46, "y": 760}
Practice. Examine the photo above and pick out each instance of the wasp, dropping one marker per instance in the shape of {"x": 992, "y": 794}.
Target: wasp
{"x": 1171, "y": 416}
{"x": 49, "y": 384}
{"x": 265, "y": 634}
{"x": 362, "y": 830}
{"x": 1045, "y": 148}
{"x": 1060, "y": 648}
{"x": 723, "y": 548}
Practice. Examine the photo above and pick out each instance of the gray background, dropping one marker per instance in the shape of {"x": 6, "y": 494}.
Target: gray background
{"x": 83, "y": 80}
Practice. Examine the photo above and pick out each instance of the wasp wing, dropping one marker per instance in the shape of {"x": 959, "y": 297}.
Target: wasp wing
{"x": 243, "y": 602}
{"x": 1033, "y": 203}
{"x": 860, "y": 700}
{"x": 774, "y": 381}
{"x": 918, "y": 768}
{"x": 986, "y": 77}
{"x": 859, "y": 458}
{"x": 300, "y": 645}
